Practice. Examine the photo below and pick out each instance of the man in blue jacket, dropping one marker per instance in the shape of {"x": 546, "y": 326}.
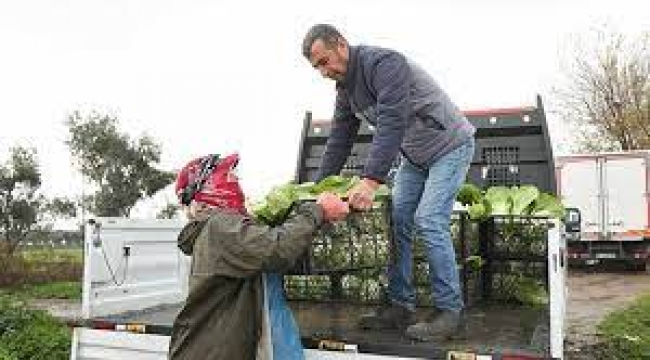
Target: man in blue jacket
{"x": 414, "y": 119}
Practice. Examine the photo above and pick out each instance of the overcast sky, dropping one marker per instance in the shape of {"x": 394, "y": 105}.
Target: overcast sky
{"x": 220, "y": 76}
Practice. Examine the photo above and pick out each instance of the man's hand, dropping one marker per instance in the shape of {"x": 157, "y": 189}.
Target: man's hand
{"x": 334, "y": 208}
{"x": 362, "y": 195}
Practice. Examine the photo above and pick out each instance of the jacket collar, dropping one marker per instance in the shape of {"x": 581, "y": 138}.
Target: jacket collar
{"x": 188, "y": 235}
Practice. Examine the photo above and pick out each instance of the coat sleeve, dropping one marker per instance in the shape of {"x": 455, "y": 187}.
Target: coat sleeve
{"x": 392, "y": 80}
{"x": 247, "y": 248}
{"x": 341, "y": 139}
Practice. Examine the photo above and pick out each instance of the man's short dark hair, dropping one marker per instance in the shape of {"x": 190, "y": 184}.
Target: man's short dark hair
{"x": 324, "y": 32}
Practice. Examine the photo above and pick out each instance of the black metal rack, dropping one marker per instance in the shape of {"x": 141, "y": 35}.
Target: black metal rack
{"x": 513, "y": 147}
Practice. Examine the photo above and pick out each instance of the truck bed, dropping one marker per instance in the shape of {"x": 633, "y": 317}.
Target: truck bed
{"x": 509, "y": 329}
{"x": 161, "y": 316}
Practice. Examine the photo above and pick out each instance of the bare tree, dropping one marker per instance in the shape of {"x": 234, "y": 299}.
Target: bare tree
{"x": 606, "y": 96}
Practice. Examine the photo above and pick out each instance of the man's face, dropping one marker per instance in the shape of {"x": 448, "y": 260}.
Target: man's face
{"x": 331, "y": 61}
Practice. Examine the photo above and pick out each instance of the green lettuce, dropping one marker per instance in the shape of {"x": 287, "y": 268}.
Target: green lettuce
{"x": 277, "y": 204}
{"x": 525, "y": 200}
{"x": 469, "y": 194}
{"x": 530, "y": 292}
{"x": 521, "y": 198}
{"x": 547, "y": 205}
{"x": 480, "y": 210}
{"x": 499, "y": 199}
{"x": 335, "y": 183}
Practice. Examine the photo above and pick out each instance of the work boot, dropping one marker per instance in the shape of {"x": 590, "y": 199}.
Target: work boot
{"x": 388, "y": 317}
{"x": 444, "y": 326}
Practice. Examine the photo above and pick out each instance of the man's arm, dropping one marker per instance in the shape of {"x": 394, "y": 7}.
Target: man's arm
{"x": 392, "y": 82}
{"x": 341, "y": 139}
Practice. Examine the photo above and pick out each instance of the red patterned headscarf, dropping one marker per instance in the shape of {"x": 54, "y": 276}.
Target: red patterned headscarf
{"x": 218, "y": 187}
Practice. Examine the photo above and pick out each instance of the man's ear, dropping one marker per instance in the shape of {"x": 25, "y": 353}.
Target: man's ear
{"x": 342, "y": 48}
{"x": 341, "y": 44}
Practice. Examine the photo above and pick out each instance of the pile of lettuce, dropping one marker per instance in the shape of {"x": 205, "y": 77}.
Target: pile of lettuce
{"x": 525, "y": 200}
{"x": 277, "y": 204}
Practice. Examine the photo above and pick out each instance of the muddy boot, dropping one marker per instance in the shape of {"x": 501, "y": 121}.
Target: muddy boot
{"x": 444, "y": 326}
{"x": 388, "y": 317}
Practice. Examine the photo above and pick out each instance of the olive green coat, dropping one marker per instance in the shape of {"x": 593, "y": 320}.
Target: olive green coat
{"x": 222, "y": 316}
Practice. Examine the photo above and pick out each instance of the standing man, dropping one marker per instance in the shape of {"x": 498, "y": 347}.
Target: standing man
{"x": 413, "y": 118}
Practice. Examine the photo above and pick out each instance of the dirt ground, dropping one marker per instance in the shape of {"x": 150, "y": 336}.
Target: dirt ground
{"x": 592, "y": 295}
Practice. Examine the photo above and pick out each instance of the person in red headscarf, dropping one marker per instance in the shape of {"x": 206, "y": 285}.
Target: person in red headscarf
{"x": 223, "y": 315}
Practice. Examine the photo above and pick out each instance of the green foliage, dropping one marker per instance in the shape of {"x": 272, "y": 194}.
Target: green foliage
{"x": 169, "y": 211}
{"x": 53, "y": 255}
{"x": 469, "y": 194}
{"x": 336, "y": 184}
{"x": 38, "y": 268}
{"x": 524, "y": 200}
{"x": 522, "y": 197}
{"x": 121, "y": 168}
{"x": 479, "y": 210}
{"x": 277, "y": 204}
{"x": 31, "y": 334}
{"x": 61, "y": 207}
{"x": 20, "y": 180}
{"x": 5, "y": 354}
{"x": 499, "y": 199}
{"x": 56, "y": 290}
{"x": 547, "y": 205}
{"x": 474, "y": 262}
{"x": 626, "y": 333}
{"x": 530, "y": 292}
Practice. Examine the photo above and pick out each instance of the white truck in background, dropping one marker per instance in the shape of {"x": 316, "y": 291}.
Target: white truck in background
{"x": 612, "y": 192}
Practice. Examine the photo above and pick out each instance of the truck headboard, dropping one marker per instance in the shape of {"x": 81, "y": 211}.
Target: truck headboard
{"x": 512, "y": 148}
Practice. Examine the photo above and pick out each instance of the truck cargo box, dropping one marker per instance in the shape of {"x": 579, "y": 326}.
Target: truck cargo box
{"x": 612, "y": 192}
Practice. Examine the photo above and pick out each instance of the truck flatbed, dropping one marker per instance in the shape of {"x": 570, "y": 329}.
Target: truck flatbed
{"x": 511, "y": 329}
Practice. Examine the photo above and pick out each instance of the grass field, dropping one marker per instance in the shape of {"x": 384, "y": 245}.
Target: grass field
{"x": 53, "y": 255}
{"x": 626, "y": 333}
{"x": 57, "y": 290}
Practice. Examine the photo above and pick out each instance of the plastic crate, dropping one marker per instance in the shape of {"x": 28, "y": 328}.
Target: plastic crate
{"x": 347, "y": 261}
{"x": 515, "y": 251}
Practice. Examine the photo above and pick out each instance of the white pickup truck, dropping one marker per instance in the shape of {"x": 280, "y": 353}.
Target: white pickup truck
{"x": 135, "y": 281}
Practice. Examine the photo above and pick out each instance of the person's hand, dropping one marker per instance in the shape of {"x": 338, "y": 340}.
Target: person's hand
{"x": 334, "y": 208}
{"x": 362, "y": 195}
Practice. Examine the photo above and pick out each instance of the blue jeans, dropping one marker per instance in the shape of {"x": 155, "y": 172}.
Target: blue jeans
{"x": 424, "y": 198}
